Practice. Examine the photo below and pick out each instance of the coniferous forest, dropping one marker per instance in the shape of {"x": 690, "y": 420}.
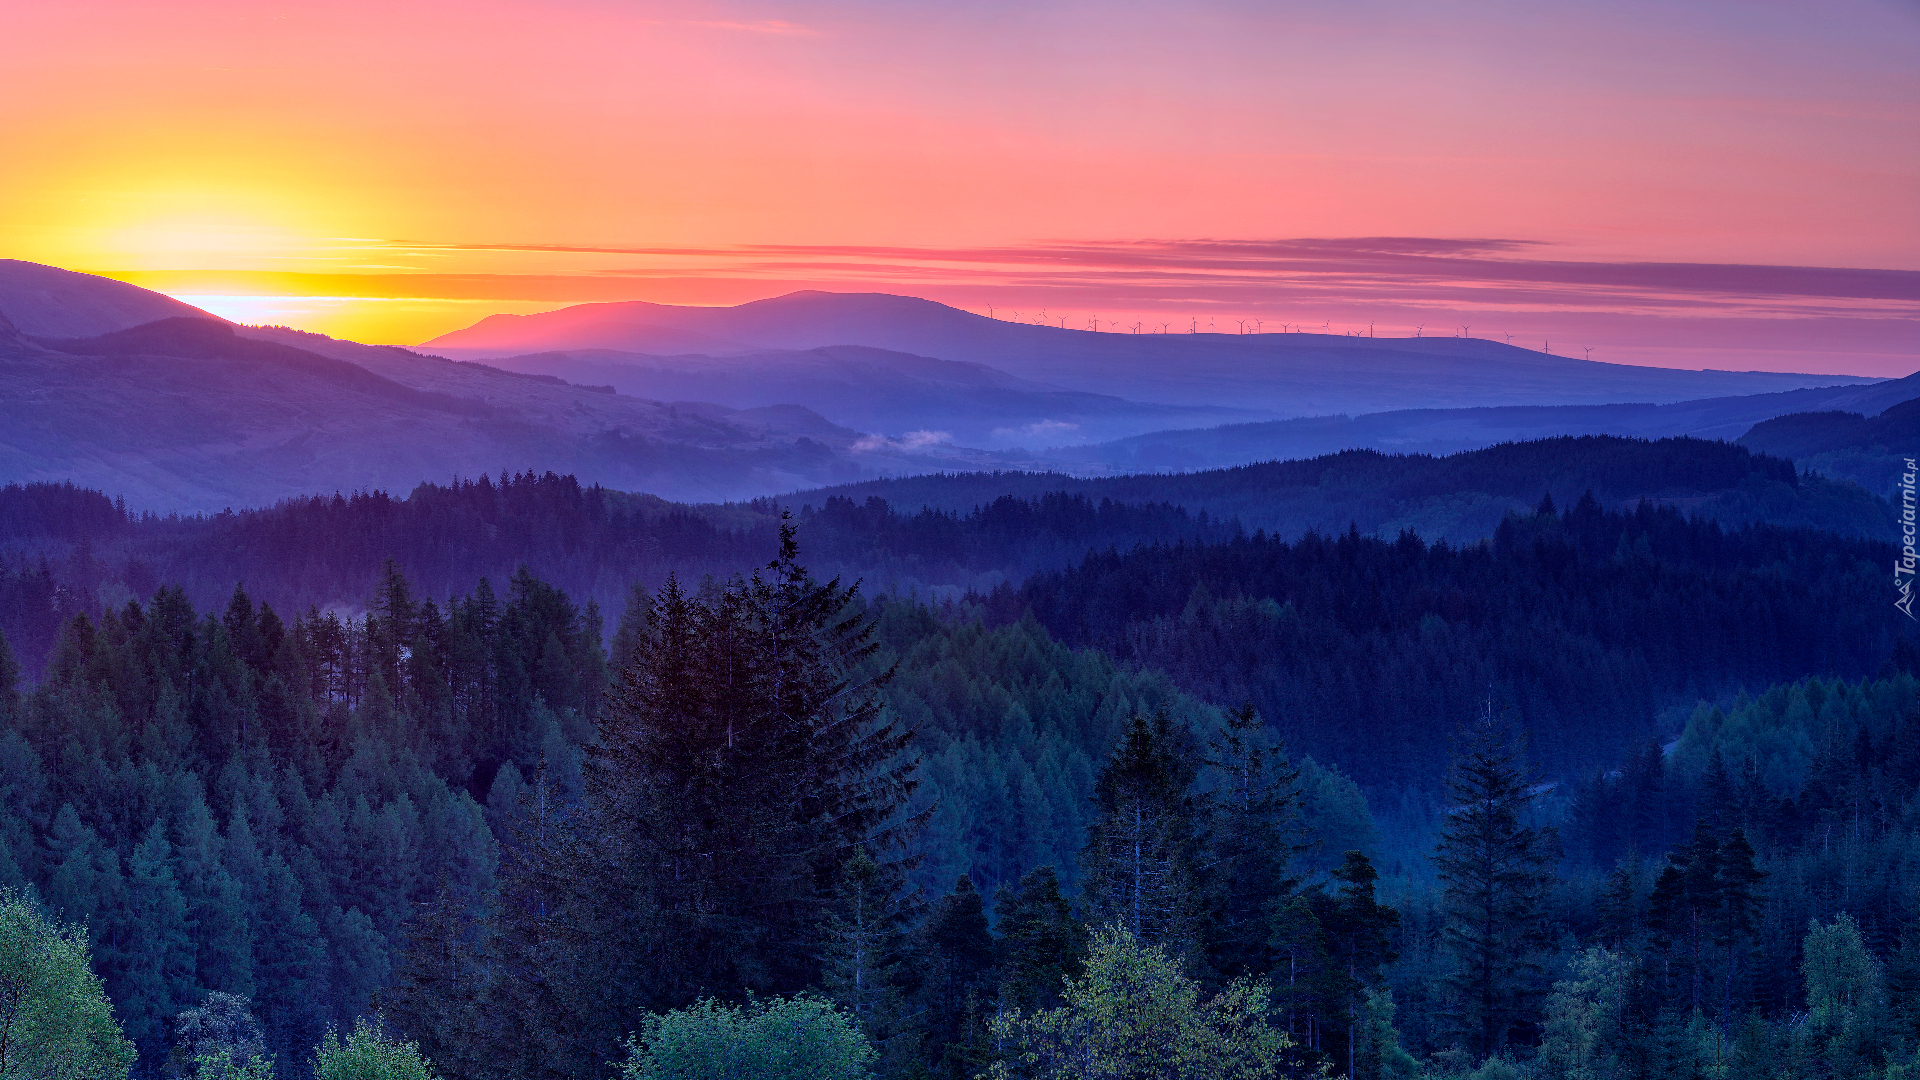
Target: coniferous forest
{"x": 525, "y": 779}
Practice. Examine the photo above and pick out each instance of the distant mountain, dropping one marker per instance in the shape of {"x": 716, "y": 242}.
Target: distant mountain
{"x": 878, "y": 390}
{"x": 187, "y": 413}
{"x": 1286, "y": 374}
{"x": 1447, "y": 431}
{"x": 1458, "y": 497}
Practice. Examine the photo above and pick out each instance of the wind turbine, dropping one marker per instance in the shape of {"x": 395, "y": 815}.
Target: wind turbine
{"x": 1547, "y": 347}
{"x": 1509, "y": 337}
{"x": 1588, "y": 349}
{"x": 989, "y": 311}
{"x": 1259, "y": 327}
{"x": 1420, "y": 329}
{"x": 1369, "y": 328}
{"x": 1136, "y": 328}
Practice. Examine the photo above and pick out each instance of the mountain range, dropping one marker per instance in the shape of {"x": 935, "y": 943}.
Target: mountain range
{"x": 1285, "y": 374}
{"x": 189, "y": 412}
{"x": 133, "y": 392}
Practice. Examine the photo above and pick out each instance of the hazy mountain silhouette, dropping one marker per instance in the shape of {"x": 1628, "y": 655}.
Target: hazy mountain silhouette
{"x": 879, "y": 390}
{"x": 187, "y": 412}
{"x": 1447, "y": 431}
{"x": 1287, "y": 374}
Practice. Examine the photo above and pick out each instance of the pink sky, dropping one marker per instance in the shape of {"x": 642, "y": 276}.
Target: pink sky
{"x": 1013, "y": 154}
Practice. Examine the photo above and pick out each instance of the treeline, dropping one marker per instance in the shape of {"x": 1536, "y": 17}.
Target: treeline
{"x": 1587, "y": 622}
{"x": 65, "y": 550}
{"x": 1459, "y": 497}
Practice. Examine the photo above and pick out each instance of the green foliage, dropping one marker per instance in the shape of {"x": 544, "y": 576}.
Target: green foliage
{"x": 221, "y": 1029}
{"x": 221, "y": 1064}
{"x": 55, "y": 1020}
{"x": 1846, "y": 1001}
{"x": 1583, "y": 1019}
{"x": 1041, "y": 944}
{"x": 368, "y": 1053}
{"x": 1134, "y": 1014}
{"x": 798, "y": 1038}
{"x": 1378, "y": 1054}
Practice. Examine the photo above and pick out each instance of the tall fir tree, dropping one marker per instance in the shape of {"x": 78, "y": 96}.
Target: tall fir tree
{"x": 1254, "y": 837}
{"x": 1138, "y": 868}
{"x": 1495, "y": 870}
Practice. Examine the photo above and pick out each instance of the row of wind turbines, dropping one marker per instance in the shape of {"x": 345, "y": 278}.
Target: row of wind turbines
{"x": 1114, "y": 326}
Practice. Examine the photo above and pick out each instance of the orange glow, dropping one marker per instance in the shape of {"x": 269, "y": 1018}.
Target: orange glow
{"x": 216, "y": 137}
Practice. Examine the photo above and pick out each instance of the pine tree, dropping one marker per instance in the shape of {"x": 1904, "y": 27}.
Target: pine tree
{"x": 739, "y": 766}
{"x": 863, "y": 945}
{"x": 955, "y": 957}
{"x": 1041, "y": 943}
{"x": 1138, "y": 866}
{"x": 1357, "y": 930}
{"x": 1495, "y": 870}
{"x": 1254, "y": 837}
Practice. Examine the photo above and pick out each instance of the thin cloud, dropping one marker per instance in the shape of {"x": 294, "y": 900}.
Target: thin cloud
{"x": 779, "y": 27}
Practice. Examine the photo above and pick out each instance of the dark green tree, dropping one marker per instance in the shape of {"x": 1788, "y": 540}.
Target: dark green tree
{"x": 740, "y": 765}
{"x": 1041, "y": 944}
{"x": 1358, "y": 931}
{"x": 1255, "y": 835}
{"x": 955, "y": 953}
{"x": 1138, "y": 868}
{"x": 1495, "y": 870}
{"x": 863, "y": 954}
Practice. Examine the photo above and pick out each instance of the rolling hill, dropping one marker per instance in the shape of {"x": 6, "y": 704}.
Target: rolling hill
{"x": 1447, "y": 431}
{"x": 186, "y": 412}
{"x": 1458, "y": 497}
{"x": 879, "y": 390}
{"x": 1288, "y": 375}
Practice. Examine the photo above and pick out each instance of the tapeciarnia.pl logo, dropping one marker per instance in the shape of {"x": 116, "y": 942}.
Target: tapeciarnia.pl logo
{"x": 1903, "y": 567}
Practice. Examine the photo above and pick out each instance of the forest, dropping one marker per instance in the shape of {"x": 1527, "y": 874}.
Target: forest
{"x": 527, "y": 779}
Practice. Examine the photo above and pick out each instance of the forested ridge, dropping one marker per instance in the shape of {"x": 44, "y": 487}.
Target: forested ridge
{"x": 1586, "y": 623}
{"x": 1216, "y": 798}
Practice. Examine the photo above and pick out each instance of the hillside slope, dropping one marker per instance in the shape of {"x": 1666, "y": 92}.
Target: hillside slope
{"x": 184, "y": 414}
{"x": 46, "y": 301}
{"x": 1290, "y": 374}
{"x": 879, "y": 390}
{"x": 1459, "y": 497}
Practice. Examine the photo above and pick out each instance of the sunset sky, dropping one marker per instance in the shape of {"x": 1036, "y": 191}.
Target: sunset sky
{"x": 1653, "y": 181}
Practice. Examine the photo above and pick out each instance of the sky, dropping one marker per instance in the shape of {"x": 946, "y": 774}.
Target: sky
{"x": 1703, "y": 184}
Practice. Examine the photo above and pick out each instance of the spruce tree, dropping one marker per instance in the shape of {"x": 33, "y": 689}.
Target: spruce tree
{"x": 1254, "y": 837}
{"x": 1495, "y": 870}
{"x": 955, "y": 951}
{"x": 1041, "y": 944}
{"x": 1138, "y": 867}
{"x": 740, "y": 765}
{"x": 863, "y": 946}
{"x": 1357, "y": 930}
